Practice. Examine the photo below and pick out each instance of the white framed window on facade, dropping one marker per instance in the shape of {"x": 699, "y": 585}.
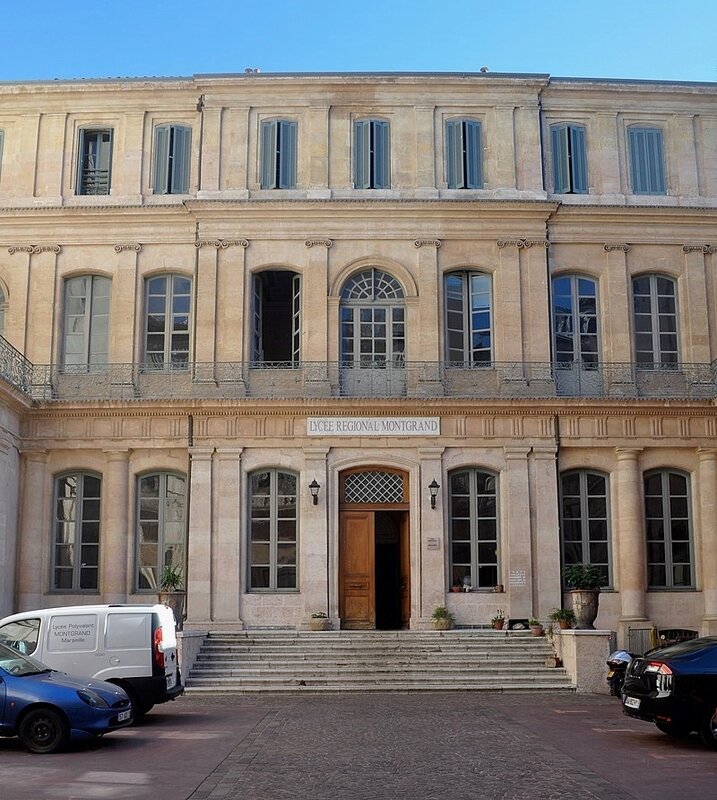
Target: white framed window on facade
{"x": 668, "y": 530}
{"x": 464, "y": 154}
{"x": 76, "y": 538}
{"x": 276, "y": 318}
{"x": 86, "y": 323}
{"x": 469, "y": 318}
{"x": 654, "y": 305}
{"x": 647, "y": 160}
{"x": 273, "y": 531}
{"x": 168, "y": 303}
{"x": 172, "y": 158}
{"x": 474, "y": 535}
{"x": 372, "y": 154}
{"x": 569, "y": 154}
{"x": 161, "y": 528}
{"x": 278, "y": 154}
{"x": 94, "y": 162}
{"x": 585, "y": 520}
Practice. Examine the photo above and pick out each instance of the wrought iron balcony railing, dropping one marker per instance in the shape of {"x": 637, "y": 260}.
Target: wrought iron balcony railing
{"x": 239, "y": 380}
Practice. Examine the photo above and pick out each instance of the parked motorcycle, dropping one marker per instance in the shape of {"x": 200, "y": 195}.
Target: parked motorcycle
{"x": 617, "y": 663}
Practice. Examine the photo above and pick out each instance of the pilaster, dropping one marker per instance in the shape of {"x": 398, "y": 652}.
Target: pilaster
{"x": 227, "y": 543}
{"x": 117, "y": 578}
{"x": 199, "y": 551}
{"x": 547, "y": 584}
{"x": 707, "y": 479}
{"x": 429, "y": 544}
{"x": 32, "y": 574}
{"x": 518, "y": 561}
{"x": 316, "y": 553}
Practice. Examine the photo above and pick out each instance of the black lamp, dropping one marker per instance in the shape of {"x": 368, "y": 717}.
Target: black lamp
{"x": 314, "y": 487}
{"x": 433, "y": 488}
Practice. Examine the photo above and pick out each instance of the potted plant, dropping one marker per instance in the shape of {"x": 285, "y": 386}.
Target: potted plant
{"x": 563, "y": 616}
{"x": 498, "y": 620}
{"x": 171, "y": 592}
{"x": 443, "y": 619}
{"x": 319, "y": 621}
{"x": 584, "y": 582}
{"x": 456, "y": 586}
{"x": 536, "y": 626}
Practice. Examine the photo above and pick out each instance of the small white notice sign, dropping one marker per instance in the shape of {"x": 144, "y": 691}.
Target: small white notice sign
{"x": 373, "y": 426}
{"x": 517, "y": 577}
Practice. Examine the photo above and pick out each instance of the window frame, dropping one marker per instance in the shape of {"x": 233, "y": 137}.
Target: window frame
{"x": 372, "y": 153}
{"x": 82, "y": 175}
{"x": 646, "y": 156}
{"x": 161, "y": 544}
{"x": 569, "y": 155}
{"x": 656, "y": 348}
{"x": 467, "y": 312}
{"x": 171, "y": 170}
{"x": 78, "y": 542}
{"x": 475, "y": 541}
{"x": 585, "y": 518}
{"x": 463, "y": 138}
{"x": 666, "y": 523}
{"x": 576, "y": 333}
{"x": 257, "y": 320}
{"x": 278, "y": 156}
{"x": 273, "y": 541}
{"x": 89, "y": 323}
{"x": 169, "y": 313}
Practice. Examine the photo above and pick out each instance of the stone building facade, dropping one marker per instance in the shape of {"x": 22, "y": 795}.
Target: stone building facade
{"x": 339, "y": 342}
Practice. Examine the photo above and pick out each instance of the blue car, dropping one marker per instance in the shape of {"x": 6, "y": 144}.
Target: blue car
{"x": 46, "y": 708}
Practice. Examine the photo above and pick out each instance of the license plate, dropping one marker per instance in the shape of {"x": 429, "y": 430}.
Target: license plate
{"x": 170, "y": 681}
{"x": 123, "y": 715}
{"x": 632, "y": 702}
{"x": 611, "y": 673}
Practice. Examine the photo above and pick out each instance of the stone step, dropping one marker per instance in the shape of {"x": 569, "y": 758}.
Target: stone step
{"x": 368, "y": 673}
{"x": 490, "y": 661}
{"x": 397, "y": 687}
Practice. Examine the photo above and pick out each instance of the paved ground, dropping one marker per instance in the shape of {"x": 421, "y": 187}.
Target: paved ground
{"x": 373, "y": 747}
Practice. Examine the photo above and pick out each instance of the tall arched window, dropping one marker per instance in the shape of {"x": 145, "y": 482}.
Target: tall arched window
{"x": 475, "y": 556}
{"x": 373, "y": 334}
{"x": 576, "y": 343}
{"x": 469, "y": 318}
{"x": 669, "y": 530}
{"x": 86, "y": 323}
{"x": 161, "y": 527}
{"x": 654, "y": 305}
{"x": 76, "y": 539}
{"x": 585, "y": 520}
{"x": 273, "y": 530}
{"x": 168, "y": 304}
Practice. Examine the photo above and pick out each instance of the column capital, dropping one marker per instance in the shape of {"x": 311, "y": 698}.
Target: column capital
{"x": 430, "y": 453}
{"x": 546, "y": 452}
{"x": 628, "y": 453}
{"x": 201, "y": 453}
{"x": 117, "y": 454}
{"x": 38, "y": 456}
{"x": 516, "y": 453}
{"x": 706, "y": 454}
{"x": 316, "y": 453}
{"x": 229, "y": 453}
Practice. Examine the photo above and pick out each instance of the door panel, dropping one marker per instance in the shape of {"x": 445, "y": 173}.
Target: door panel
{"x": 357, "y": 605}
{"x": 405, "y": 572}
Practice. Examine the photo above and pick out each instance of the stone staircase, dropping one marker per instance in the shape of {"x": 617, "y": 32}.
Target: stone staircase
{"x": 289, "y": 661}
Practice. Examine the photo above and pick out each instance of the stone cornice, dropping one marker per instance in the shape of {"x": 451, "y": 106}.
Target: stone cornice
{"x": 522, "y": 243}
{"x": 221, "y": 244}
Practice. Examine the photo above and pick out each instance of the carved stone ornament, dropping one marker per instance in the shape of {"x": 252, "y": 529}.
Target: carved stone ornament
{"x": 608, "y": 248}
{"x": 34, "y": 248}
{"x": 325, "y": 242}
{"x": 221, "y": 244}
{"x": 135, "y": 246}
{"x": 699, "y": 248}
{"x": 427, "y": 242}
{"x": 521, "y": 243}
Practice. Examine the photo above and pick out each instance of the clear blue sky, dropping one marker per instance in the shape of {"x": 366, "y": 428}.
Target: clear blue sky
{"x": 654, "y": 39}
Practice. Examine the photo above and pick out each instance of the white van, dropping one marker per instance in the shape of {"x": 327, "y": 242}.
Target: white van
{"x": 133, "y": 646}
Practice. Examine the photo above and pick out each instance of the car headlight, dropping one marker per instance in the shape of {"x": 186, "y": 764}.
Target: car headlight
{"x": 92, "y": 698}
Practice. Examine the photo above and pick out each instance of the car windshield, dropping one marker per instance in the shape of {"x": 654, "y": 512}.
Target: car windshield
{"x": 17, "y": 664}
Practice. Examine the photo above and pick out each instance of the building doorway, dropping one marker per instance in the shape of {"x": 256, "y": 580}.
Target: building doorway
{"x": 374, "y": 552}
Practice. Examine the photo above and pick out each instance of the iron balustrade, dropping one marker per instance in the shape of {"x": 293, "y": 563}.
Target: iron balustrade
{"x": 319, "y": 379}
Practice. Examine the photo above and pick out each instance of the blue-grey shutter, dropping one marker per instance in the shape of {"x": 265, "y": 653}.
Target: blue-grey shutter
{"x": 80, "y": 162}
{"x": 454, "y": 154}
{"x": 287, "y": 154}
{"x": 381, "y": 155}
{"x": 161, "y": 159}
{"x": 181, "y": 154}
{"x": 578, "y": 158}
{"x": 362, "y": 154}
{"x": 268, "y": 154}
{"x": 655, "y": 160}
{"x": 638, "y": 162}
{"x": 561, "y": 165}
{"x": 473, "y": 154}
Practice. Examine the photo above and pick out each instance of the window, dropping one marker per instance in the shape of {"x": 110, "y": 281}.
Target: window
{"x": 584, "y": 520}
{"x": 647, "y": 164}
{"x": 372, "y": 158}
{"x": 95, "y": 161}
{"x": 464, "y": 154}
{"x": 161, "y": 528}
{"x": 273, "y": 530}
{"x": 76, "y": 542}
{"x": 172, "y": 153}
{"x": 86, "y": 324}
{"x": 468, "y": 318}
{"x": 654, "y": 305}
{"x": 474, "y": 529}
{"x": 668, "y": 528}
{"x": 3, "y": 308}
{"x": 575, "y": 328}
{"x": 277, "y": 318}
{"x": 570, "y": 169}
{"x": 278, "y": 154}
{"x": 168, "y": 302}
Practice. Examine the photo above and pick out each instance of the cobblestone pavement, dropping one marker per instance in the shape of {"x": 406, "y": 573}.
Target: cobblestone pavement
{"x": 458, "y": 746}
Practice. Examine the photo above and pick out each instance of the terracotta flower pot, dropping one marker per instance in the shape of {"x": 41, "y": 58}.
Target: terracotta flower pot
{"x": 498, "y": 624}
{"x": 536, "y": 630}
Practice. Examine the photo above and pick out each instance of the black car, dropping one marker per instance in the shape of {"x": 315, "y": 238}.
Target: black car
{"x": 676, "y": 688}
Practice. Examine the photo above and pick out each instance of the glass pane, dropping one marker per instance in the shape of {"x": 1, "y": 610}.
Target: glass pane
{"x": 286, "y": 577}
{"x": 461, "y": 552}
{"x": 260, "y": 553}
{"x": 259, "y": 577}
{"x": 260, "y": 530}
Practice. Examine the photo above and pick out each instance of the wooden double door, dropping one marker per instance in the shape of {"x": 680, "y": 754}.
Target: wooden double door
{"x": 374, "y": 569}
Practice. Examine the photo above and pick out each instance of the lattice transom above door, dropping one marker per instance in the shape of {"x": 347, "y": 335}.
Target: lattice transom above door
{"x": 373, "y": 487}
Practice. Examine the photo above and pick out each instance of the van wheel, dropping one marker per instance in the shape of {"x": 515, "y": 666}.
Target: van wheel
{"x": 43, "y": 730}
{"x": 708, "y": 729}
